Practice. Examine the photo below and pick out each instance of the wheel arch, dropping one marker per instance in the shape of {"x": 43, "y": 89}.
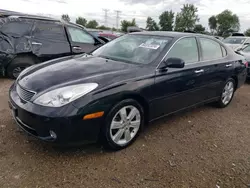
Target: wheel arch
{"x": 142, "y": 101}
{"x": 235, "y": 78}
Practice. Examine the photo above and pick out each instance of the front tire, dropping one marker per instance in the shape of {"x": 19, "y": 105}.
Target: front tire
{"x": 123, "y": 124}
{"x": 227, "y": 94}
{"x": 18, "y": 64}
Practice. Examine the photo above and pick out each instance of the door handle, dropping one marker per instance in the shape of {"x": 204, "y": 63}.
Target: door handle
{"x": 229, "y": 65}
{"x": 77, "y": 48}
{"x": 36, "y": 43}
{"x": 199, "y": 71}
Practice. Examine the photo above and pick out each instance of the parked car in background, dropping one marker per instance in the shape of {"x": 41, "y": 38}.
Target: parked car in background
{"x": 237, "y": 42}
{"x": 246, "y": 53}
{"x": 110, "y": 94}
{"x": 26, "y": 40}
{"x": 106, "y": 36}
{"x": 218, "y": 37}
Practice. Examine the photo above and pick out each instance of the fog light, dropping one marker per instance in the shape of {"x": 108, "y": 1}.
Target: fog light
{"x": 52, "y": 134}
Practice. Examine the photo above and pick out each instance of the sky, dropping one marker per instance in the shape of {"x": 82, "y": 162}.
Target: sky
{"x": 138, "y": 9}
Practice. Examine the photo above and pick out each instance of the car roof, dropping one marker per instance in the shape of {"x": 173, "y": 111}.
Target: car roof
{"x": 12, "y": 14}
{"x": 238, "y": 37}
{"x": 172, "y": 34}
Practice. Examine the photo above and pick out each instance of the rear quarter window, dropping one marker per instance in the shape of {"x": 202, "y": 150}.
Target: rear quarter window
{"x": 47, "y": 30}
{"x": 17, "y": 28}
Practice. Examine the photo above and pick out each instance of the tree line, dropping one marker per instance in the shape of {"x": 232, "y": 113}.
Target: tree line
{"x": 92, "y": 24}
{"x": 187, "y": 19}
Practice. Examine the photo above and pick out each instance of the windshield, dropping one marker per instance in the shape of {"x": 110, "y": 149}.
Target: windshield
{"x": 246, "y": 49}
{"x": 234, "y": 40}
{"x": 140, "y": 49}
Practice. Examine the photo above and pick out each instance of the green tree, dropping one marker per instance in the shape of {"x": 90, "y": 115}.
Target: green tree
{"x": 125, "y": 24}
{"x": 178, "y": 23}
{"x": 247, "y": 32}
{"x": 212, "y": 22}
{"x": 151, "y": 25}
{"x": 92, "y": 24}
{"x": 198, "y": 28}
{"x": 187, "y": 18}
{"x": 227, "y": 22}
{"x": 81, "y": 21}
{"x": 66, "y": 17}
{"x": 102, "y": 27}
{"x": 166, "y": 21}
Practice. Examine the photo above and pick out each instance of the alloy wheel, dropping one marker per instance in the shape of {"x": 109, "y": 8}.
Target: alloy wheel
{"x": 125, "y": 125}
{"x": 17, "y": 71}
{"x": 227, "y": 93}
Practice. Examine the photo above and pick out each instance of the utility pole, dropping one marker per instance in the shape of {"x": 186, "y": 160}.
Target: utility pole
{"x": 106, "y": 17}
{"x": 117, "y": 18}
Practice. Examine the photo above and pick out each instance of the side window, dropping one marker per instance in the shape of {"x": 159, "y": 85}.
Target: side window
{"x": 246, "y": 49}
{"x": 186, "y": 49}
{"x": 47, "y": 30}
{"x": 17, "y": 28}
{"x": 78, "y": 35}
{"x": 224, "y": 52}
{"x": 210, "y": 49}
{"x": 247, "y": 41}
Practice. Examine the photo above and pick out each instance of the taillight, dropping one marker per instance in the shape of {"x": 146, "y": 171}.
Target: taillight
{"x": 246, "y": 64}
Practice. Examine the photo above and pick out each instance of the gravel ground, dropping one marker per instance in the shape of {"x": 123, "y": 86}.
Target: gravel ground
{"x": 205, "y": 147}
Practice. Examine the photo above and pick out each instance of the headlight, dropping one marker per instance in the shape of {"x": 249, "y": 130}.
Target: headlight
{"x": 65, "y": 95}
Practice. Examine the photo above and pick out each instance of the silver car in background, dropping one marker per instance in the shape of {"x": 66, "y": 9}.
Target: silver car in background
{"x": 246, "y": 53}
{"x": 237, "y": 42}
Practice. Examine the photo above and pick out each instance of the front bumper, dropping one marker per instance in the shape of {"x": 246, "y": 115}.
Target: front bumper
{"x": 66, "y": 122}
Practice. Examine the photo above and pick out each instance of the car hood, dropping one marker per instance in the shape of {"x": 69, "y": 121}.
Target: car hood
{"x": 76, "y": 70}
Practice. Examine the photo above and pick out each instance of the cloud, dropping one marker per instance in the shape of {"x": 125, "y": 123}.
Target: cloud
{"x": 139, "y": 9}
{"x": 154, "y": 2}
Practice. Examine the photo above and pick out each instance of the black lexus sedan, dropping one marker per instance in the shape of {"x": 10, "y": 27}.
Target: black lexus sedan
{"x": 110, "y": 94}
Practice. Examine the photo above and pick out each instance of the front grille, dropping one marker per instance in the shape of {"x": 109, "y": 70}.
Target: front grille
{"x": 24, "y": 93}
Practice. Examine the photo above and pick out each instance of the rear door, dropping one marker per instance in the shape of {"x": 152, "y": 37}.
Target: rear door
{"x": 179, "y": 88}
{"x": 81, "y": 41}
{"x": 218, "y": 67}
{"x": 49, "y": 40}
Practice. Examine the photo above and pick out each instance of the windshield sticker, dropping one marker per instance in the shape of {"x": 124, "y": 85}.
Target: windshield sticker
{"x": 149, "y": 46}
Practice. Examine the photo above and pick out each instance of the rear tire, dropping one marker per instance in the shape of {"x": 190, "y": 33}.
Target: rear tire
{"x": 18, "y": 64}
{"x": 120, "y": 132}
{"x": 227, "y": 94}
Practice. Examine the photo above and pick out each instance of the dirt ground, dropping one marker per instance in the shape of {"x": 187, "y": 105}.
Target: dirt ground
{"x": 205, "y": 147}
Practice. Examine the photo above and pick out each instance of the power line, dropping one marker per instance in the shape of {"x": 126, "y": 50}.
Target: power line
{"x": 106, "y": 17}
{"x": 117, "y": 18}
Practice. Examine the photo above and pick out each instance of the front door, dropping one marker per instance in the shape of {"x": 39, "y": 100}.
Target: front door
{"x": 81, "y": 41}
{"x": 179, "y": 88}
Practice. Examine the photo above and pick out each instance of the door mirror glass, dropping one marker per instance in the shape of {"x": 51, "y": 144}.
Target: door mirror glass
{"x": 174, "y": 62}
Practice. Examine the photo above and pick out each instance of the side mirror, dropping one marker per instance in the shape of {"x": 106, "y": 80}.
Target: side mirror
{"x": 174, "y": 62}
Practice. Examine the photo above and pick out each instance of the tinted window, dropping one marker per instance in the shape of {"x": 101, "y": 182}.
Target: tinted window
{"x": 17, "y": 28}
{"x": 78, "y": 35}
{"x": 224, "y": 52}
{"x": 210, "y": 49}
{"x": 48, "y": 30}
{"x": 186, "y": 49}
